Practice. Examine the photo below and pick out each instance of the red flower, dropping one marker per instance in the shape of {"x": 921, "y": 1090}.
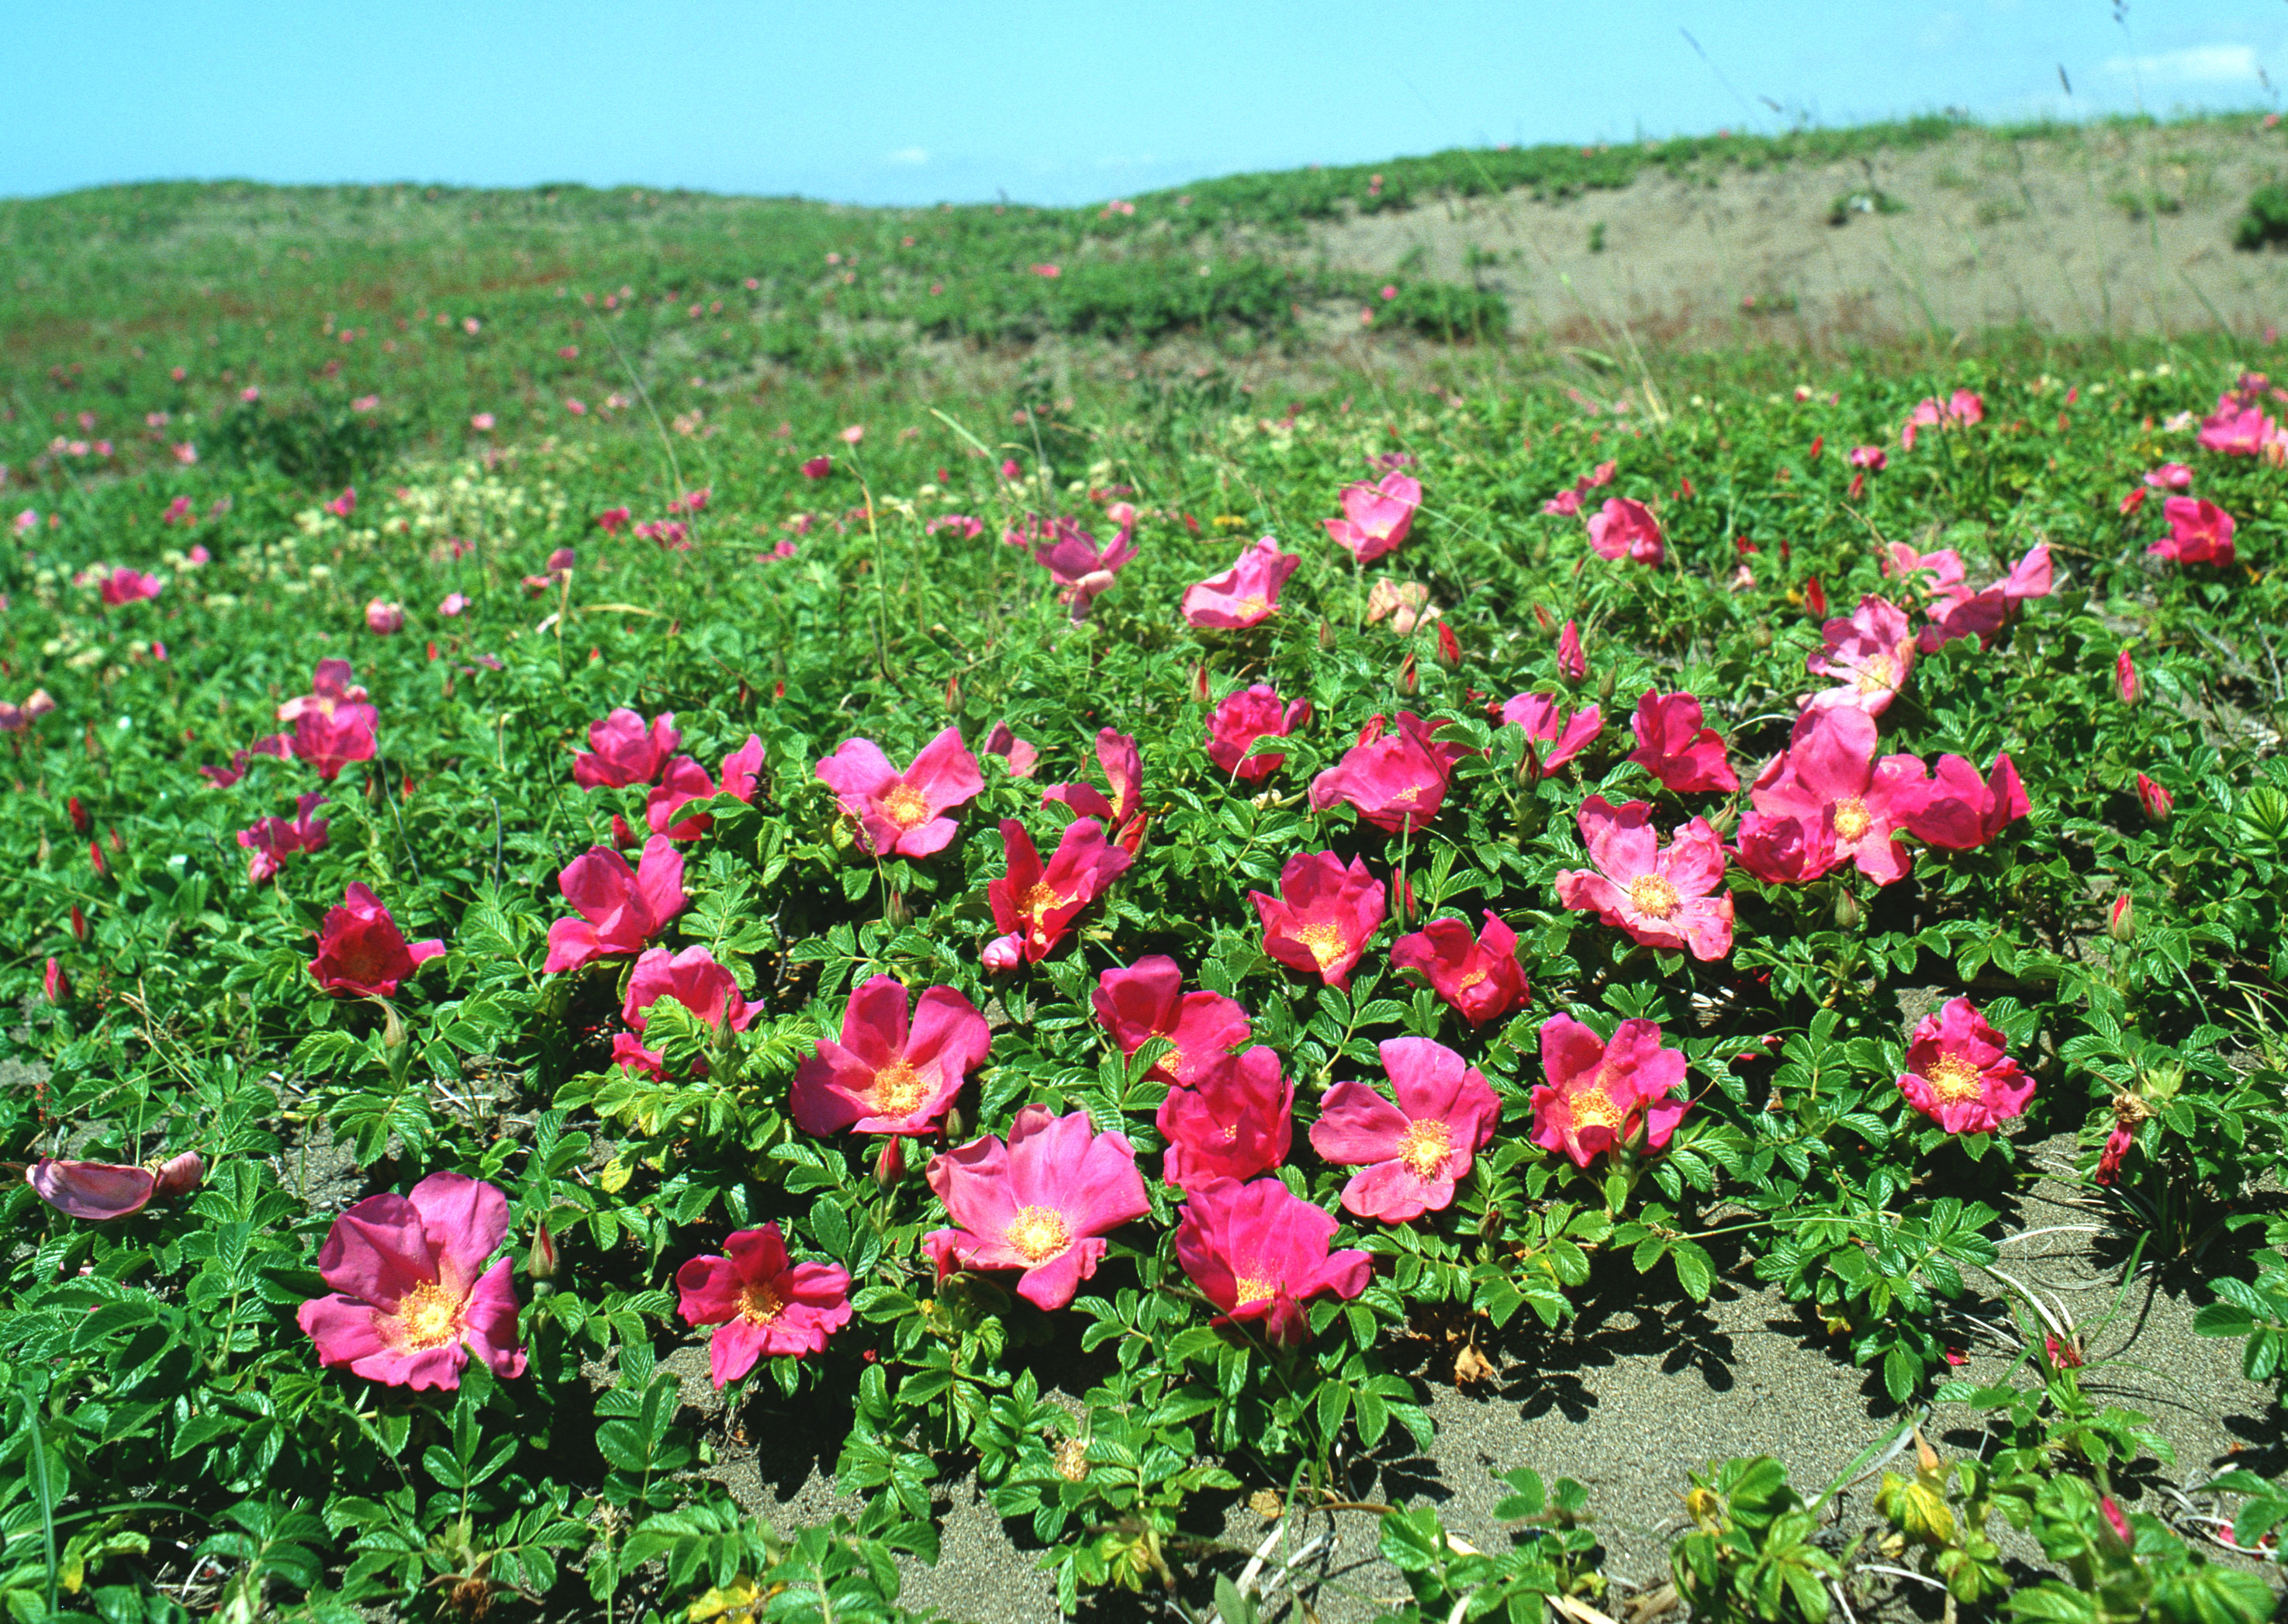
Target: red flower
{"x": 1830, "y": 768}
{"x": 1414, "y": 1153}
{"x": 1663, "y": 897}
{"x": 1959, "y": 1075}
{"x": 272, "y": 840}
{"x": 2157, "y": 802}
{"x": 99, "y": 1192}
{"x": 2200, "y": 532}
{"x": 1479, "y": 976}
{"x": 1572, "y": 665}
{"x": 1396, "y": 782}
{"x": 694, "y": 980}
{"x": 1245, "y": 715}
{"x": 1035, "y": 906}
{"x": 1868, "y": 657}
{"x": 360, "y": 951}
{"x": 903, "y": 813}
{"x": 1259, "y": 1253}
{"x": 1623, "y": 528}
{"x": 127, "y": 586}
{"x": 1235, "y": 1120}
{"x": 1039, "y": 1203}
{"x": 1147, "y": 1001}
{"x": 1124, "y": 773}
{"x": 1545, "y": 721}
{"x": 1375, "y": 517}
{"x": 1323, "y": 917}
{"x": 623, "y": 750}
{"x": 760, "y": 1303}
{"x": 2125, "y": 679}
{"x": 1675, "y": 748}
{"x": 818, "y": 468}
{"x": 1600, "y": 1095}
{"x": 618, "y": 908}
{"x": 886, "y": 1076}
{"x": 1958, "y": 811}
{"x": 613, "y": 520}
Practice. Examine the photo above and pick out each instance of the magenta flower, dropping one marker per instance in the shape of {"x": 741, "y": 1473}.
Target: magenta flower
{"x": 1623, "y": 528}
{"x": 1547, "y": 722}
{"x": 761, "y": 1303}
{"x": 1572, "y": 662}
{"x": 1148, "y": 1000}
{"x": 272, "y": 839}
{"x": 1958, "y": 811}
{"x": 818, "y": 468}
{"x": 1600, "y": 1095}
{"x": 1411, "y": 1153}
{"x": 623, "y": 750}
{"x": 618, "y": 908}
{"x": 1375, "y": 517}
{"x": 1236, "y": 1119}
{"x": 1081, "y": 568}
{"x": 384, "y": 617}
{"x": 1663, "y": 897}
{"x": 1959, "y": 613}
{"x": 126, "y": 586}
{"x": 1675, "y": 748}
{"x": 1241, "y": 719}
{"x": 1245, "y": 595}
{"x": 1867, "y": 656}
{"x": 333, "y": 726}
{"x": 2237, "y": 428}
{"x": 2124, "y": 677}
{"x": 1830, "y": 768}
{"x": 1788, "y": 850}
{"x": 2170, "y": 476}
{"x": 1396, "y": 781}
{"x": 1479, "y": 976}
{"x": 1869, "y": 457}
{"x": 1123, "y": 775}
{"x": 100, "y": 1192}
{"x": 1959, "y": 1075}
{"x": 2200, "y": 532}
{"x": 886, "y": 1076}
{"x": 361, "y": 953}
{"x": 1034, "y": 905}
{"x": 412, "y": 1298}
{"x": 1323, "y": 917}
{"x": 903, "y": 813}
{"x": 1039, "y": 1203}
{"x": 1019, "y": 757}
{"x": 685, "y": 782}
{"x": 694, "y": 980}
{"x": 1258, "y": 1252}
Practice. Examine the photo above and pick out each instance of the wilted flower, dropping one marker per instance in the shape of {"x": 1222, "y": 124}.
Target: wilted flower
{"x": 1663, "y": 897}
{"x": 1404, "y": 604}
{"x": 1868, "y": 657}
{"x": 760, "y": 1301}
{"x": 1412, "y": 1154}
{"x": 272, "y": 840}
{"x": 384, "y": 617}
{"x": 360, "y": 951}
{"x": 887, "y": 1076}
{"x": 1323, "y": 917}
{"x": 1958, "y": 810}
{"x": 126, "y": 586}
{"x": 1600, "y": 1095}
{"x": 412, "y": 1298}
{"x": 1040, "y": 1202}
{"x": 100, "y": 1192}
{"x": 1959, "y": 1075}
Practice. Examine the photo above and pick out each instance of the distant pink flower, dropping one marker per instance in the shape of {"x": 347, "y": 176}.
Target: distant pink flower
{"x": 482, "y": 423}
{"x": 903, "y": 813}
{"x": 761, "y": 1303}
{"x": 251, "y": 394}
{"x": 366, "y": 403}
{"x": 1572, "y": 663}
{"x": 452, "y": 606}
{"x": 179, "y": 513}
{"x": 1245, "y": 595}
{"x": 1082, "y": 569}
{"x": 1830, "y": 768}
{"x": 685, "y": 782}
{"x": 577, "y": 407}
{"x": 1375, "y": 517}
{"x": 1244, "y": 717}
{"x": 1868, "y": 656}
{"x": 345, "y": 505}
{"x": 1040, "y": 1202}
{"x": 27, "y": 521}
{"x": 1663, "y": 897}
{"x": 1958, "y": 1074}
{"x": 272, "y": 840}
{"x": 611, "y": 520}
{"x": 2200, "y": 532}
{"x": 2170, "y": 476}
{"x": 1957, "y": 613}
{"x": 1258, "y": 1252}
{"x": 1626, "y": 529}
{"x": 1600, "y": 1095}
{"x": 1479, "y": 976}
{"x": 185, "y": 454}
{"x": 127, "y": 586}
{"x": 1868, "y": 456}
{"x": 1564, "y": 504}
{"x": 101, "y": 1192}
{"x": 412, "y": 1297}
{"x": 855, "y": 432}
{"x": 887, "y": 1076}
{"x": 818, "y": 468}
{"x": 2235, "y": 428}
{"x": 1234, "y": 1120}
{"x": 1323, "y": 917}
{"x": 1414, "y": 1153}
{"x": 1396, "y": 781}
{"x": 1675, "y": 748}
{"x": 1124, "y": 775}
{"x": 1147, "y": 1001}
{"x": 618, "y": 909}
{"x": 1958, "y": 811}
{"x": 1021, "y": 757}
{"x": 623, "y": 750}
{"x": 692, "y": 502}
{"x": 383, "y": 618}
{"x": 1547, "y": 722}
{"x": 361, "y": 953}
{"x": 1036, "y": 905}
{"x": 960, "y": 526}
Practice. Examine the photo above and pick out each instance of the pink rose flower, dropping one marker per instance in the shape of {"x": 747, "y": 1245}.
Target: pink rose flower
{"x": 1663, "y": 897}
{"x": 361, "y": 953}
{"x": 1675, "y": 748}
{"x": 1479, "y": 976}
{"x": 1038, "y": 904}
{"x": 1546, "y": 721}
{"x": 886, "y": 1076}
{"x": 1867, "y": 656}
{"x": 1375, "y": 517}
{"x": 1323, "y": 917}
{"x": 1828, "y": 775}
{"x": 1040, "y": 1202}
{"x": 2200, "y": 532}
{"x": 1147, "y": 1001}
{"x": 1234, "y": 1120}
{"x": 1245, "y": 595}
{"x": 1020, "y": 757}
{"x": 1258, "y": 1252}
{"x": 1959, "y": 1075}
{"x": 760, "y": 1303}
{"x": 1958, "y": 810}
{"x": 1412, "y": 1155}
{"x": 1241, "y": 719}
{"x": 1124, "y": 775}
{"x": 618, "y": 908}
{"x": 1397, "y": 781}
{"x": 903, "y": 813}
{"x": 383, "y": 618}
{"x": 1623, "y": 528}
{"x": 623, "y": 750}
{"x": 1600, "y": 1095}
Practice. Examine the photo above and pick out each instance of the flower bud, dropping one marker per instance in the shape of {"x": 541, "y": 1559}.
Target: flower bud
{"x": 82, "y": 824}
{"x": 2114, "y": 1520}
{"x": 1847, "y": 914}
{"x": 896, "y": 912}
{"x": 2158, "y": 802}
{"x": 1450, "y": 648}
{"x": 56, "y": 984}
{"x": 1572, "y": 663}
{"x": 1003, "y": 952}
{"x": 95, "y": 856}
{"x": 392, "y": 1029}
{"x": 953, "y": 693}
{"x": 540, "y": 1261}
{"x": 2121, "y": 922}
{"x": 1407, "y": 682}
{"x": 2125, "y": 679}
{"x": 1326, "y": 633}
{"x": 78, "y": 924}
{"x": 889, "y": 1163}
{"x": 179, "y": 1174}
{"x": 1200, "y": 690}
{"x": 956, "y": 1125}
{"x": 1605, "y": 688}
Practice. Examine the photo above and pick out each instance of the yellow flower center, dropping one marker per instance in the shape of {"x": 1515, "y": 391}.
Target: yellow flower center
{"x": 760, "y": 1303}
{"x": 906, "y": 807}
{"x": 1650, "y": 894}
{"x": 898, "y": 1088}
{"x": 1248, "y": 1289}
{"x": 1254, "y": 605}
{"x": 1424, "y": 1147}
{"x": 430, "y": 1316}
{"x": 1324, "y": 942}
{"x": 1851, "y": 818}
{"x": 1880, "y": 671}
{"x": 1953, "y": 1080}
{"x": 1038, "y": 1233}
{"x": 1041, "y": 900}
{"x": 1469, "y": 981}
{"x": 1593, "y": 1107}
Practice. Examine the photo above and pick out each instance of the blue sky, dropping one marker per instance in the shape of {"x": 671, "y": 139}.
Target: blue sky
{"x": 892, "y": 102}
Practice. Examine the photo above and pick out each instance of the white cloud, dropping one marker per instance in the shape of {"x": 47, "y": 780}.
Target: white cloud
{"x": 2194, "y": 64}
{"x": 908, "y": 154}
